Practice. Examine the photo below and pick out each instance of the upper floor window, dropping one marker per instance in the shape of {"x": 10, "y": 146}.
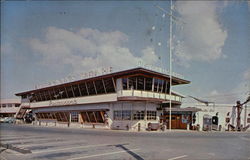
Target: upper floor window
{"x": 17, "y": 105}
{"x": 9, "y": 105}
{"x": 101, "y": 86}
{"x": 145, "y": 83}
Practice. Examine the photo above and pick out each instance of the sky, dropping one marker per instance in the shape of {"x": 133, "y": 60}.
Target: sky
{"x": 43, "y": 41}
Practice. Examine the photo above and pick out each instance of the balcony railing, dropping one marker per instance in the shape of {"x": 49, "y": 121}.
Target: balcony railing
{"x": 148, "y": 94}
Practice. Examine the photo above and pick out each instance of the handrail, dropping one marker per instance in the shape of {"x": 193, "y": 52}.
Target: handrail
{"x": 148, "y": 94}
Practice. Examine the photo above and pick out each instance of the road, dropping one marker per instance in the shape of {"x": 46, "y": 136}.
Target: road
{"x": 34, "y": 142}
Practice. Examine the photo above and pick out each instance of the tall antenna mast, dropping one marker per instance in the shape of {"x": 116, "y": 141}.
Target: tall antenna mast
{"x": 172, "y": 17}
{"x": 170, "y": 66}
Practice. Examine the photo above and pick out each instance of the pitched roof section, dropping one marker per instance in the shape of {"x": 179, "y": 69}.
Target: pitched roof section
{"x": 119, "y": 74}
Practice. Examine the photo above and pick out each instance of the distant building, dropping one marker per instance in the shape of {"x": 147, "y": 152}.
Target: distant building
{"x": 130, "y": 99}
{"x": 224, "y": 112}
{"x": 9, "y": 107}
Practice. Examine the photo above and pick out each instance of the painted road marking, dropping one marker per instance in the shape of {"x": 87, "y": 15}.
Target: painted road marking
{"x": 103, "y": 154}
{"x": 179, "y": 157}
{"x": 29, "y": 141}
{"x": 48, "y": 143}
{"x": 61, "y": 149}
{"x": 244, "y": 138}
{"x": 20, "y": 138}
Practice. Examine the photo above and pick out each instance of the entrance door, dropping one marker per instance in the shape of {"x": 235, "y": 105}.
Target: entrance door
{"x": 178, "y": 122}
{"x": 174, "y": 122}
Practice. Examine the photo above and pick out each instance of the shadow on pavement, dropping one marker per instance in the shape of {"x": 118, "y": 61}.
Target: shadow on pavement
{"x": 136, "y": 156}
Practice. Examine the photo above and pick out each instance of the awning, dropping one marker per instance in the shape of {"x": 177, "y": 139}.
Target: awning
{"x": 188, "y": 109}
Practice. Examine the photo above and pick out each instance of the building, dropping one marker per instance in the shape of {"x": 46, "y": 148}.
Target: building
{"x": 129, "y": 100}
{"x": 224, "y": 113}
{"x": 9, "y": 107}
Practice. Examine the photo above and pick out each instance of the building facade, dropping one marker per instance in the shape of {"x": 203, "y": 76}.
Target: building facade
{"x": 129, "y": 100}
{"x": 224, "y": 114}
{"x": 9, "y": 107}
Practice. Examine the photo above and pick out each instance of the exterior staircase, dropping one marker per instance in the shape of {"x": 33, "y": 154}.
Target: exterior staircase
{"x": 22, "y": 110}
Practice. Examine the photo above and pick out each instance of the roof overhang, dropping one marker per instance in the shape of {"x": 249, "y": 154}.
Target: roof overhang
{"x": 120, "y": 74}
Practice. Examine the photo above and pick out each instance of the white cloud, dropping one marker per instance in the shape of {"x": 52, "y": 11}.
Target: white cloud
{"x": 238, "y": 92}
{"x": 202, "y": 37}
{"x": 246, "y": 75}
{"x": 87, "y": 49}
{"x": 214, "y": 93}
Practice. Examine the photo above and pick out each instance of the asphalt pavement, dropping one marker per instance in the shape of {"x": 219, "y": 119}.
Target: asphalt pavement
{"x": 27, "y": 142}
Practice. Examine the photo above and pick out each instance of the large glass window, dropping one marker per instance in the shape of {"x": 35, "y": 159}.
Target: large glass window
{"x": 126, "y": 114}
{"x": 99, "y": 116}
{"x": 69, "y": 90}
{"x": 160, "y": 86}
{"x": 168, "y": 88}
{"x": 125, "y": 83}
{"x": 47, "y": 95}
{"x": 156, "y": 84}
{"x": 138, "y": 115}
{"x": 117, "y": 115}
{"x": 148, "y": 86}
{"x": 42, "y": 96}
{"x": 91, "y": 88}
{"x": 74, "y": 116}
{"x": 140, "y": 83}
{"x": 100, "y": 87}
{"x": 122, "y": 115}
{"x": 109, "y": 85}
{"x": 57, "y": 93}
{"x": 93, "y": 116}
{"x": 83, "y": 89}
{"x": 76, "y": 90}
{"x": 151, "y": 115}
{"x": 62, "y": 92}
{"x": 145, "y": 83}
{"x": 132, "y": 83}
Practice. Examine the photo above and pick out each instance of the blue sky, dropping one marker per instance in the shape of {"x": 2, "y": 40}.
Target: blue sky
{"x": 44, "y": 41}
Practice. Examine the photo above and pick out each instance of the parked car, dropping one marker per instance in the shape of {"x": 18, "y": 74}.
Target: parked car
{"x": 9, "y": 120}
{"x": 2, "y": 119}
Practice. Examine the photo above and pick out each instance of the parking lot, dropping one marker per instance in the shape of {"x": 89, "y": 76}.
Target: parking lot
{"x": 34, "y": 142}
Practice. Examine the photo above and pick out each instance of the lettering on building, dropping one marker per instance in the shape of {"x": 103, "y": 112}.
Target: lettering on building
{"x": 63, "y": 103}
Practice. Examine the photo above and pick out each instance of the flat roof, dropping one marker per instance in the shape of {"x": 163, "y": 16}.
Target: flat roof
{"x": 119, "y": 74}
{"x": 10, "y": 101}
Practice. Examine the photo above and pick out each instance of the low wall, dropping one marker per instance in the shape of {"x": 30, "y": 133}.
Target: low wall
{"x": 69, "y": 125}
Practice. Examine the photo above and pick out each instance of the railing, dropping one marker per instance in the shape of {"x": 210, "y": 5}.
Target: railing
{"x": 22, "y": 110}
{"x": 148, "y": 94}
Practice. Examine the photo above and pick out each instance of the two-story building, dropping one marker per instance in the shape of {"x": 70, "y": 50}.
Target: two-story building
{"x": 9, "y": 107}
{"x": 121, "y": 100}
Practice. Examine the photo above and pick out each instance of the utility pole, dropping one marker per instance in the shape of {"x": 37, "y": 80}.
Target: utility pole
{"x": 170, "y": 66}
{"x": 172, "y": 17}
{"x": 170, "y": 58}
